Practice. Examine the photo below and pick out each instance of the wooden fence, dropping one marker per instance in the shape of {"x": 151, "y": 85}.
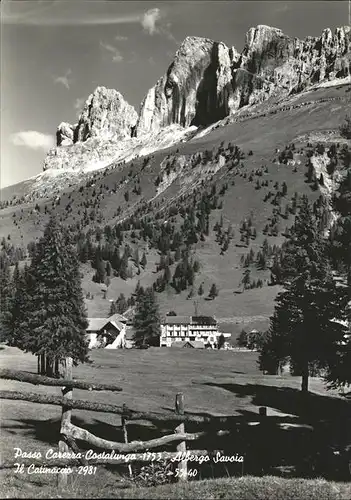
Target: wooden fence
{"x": 70, "y": 433}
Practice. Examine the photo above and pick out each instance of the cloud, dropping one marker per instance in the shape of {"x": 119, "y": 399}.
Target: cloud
{"x": 64, "y": 80}
{"x": 117, "y": 56}
{"x": 33, "y": 140}
{"x": 58, "y": 13}
{"x": 149, "y": 20}
{"x": 152, "y": 22}
{"x": 78, "y": 105}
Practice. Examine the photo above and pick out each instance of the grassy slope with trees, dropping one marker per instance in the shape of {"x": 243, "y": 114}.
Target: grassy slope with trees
{"x": 253, "y": 191}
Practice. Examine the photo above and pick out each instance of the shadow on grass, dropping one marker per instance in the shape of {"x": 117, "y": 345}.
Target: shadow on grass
{"x": 48, "y": 431}
{"x": 292, "y": 401}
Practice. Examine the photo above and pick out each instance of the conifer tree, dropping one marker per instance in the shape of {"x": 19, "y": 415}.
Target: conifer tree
{"x": 221, "y": 341}
{"x": 143, "y": 261}
{"x": 242, "y": 339}
{"x": 17, "y": 310}
{"x": 100, "y": 274}
{"x": 339, "y": 372}
{"x": 7, "y": 290}
{"x": 167, "y": 275}
{"x": 213, "y": 293}
{"x": 121, "y": 304}
{"x": 147, "y": 320}
{"x": 273, "y": 352}
{"x": 116, "y": 259}
{"x": 108, "y": 268}
{"x": 113, "y": 309}
{"x": 246, "y": 279}
{"x": 54, "y": 321}
{"x": 303, "y": 327}
{"x": 123, "y": 269}
{"x": 136, "y": 257}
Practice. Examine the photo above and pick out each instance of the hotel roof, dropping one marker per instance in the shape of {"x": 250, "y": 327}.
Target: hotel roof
{"x": 190, "y": 320}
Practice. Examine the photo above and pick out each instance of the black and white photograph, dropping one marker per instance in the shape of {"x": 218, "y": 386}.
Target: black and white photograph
{"x": 175, "y": 249}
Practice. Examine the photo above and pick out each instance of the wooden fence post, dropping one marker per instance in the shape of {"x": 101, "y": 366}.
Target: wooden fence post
{"x": 62, "y": 478}
{"x": 182, "y": 465}
{"x": 42, "y": 364}
{"x": 262, "y": 438}
{"x": 125, "y": 434}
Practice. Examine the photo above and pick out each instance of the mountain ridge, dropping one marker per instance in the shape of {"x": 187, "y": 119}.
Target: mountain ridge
{"x": 246, "y": 158}
{"x": 206, "y": 82}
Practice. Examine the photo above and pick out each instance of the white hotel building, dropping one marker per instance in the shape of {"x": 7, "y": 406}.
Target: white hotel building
{"x": 195, "y": 331}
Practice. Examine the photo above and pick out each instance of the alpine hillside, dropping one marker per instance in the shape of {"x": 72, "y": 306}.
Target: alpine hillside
{"x": 195, "y": 192}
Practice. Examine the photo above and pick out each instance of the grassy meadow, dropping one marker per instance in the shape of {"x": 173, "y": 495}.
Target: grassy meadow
{"x": 213, "y": 383}
{"x": 244, "y": 488}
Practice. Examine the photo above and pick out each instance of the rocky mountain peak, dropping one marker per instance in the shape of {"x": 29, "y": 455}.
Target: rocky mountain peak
{"x": 205, "y": 82}
{"x": 106, "y": 115}
{"x": 192, "y": 90}
{"x": 261, "y": 34}
{"x": 191, "y": 42}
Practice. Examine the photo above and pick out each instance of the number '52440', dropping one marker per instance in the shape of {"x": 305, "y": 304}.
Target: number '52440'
{"x": 184, "y": 473}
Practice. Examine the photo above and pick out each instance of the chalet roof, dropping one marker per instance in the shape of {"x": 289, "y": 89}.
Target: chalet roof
{"x": 118, "y": 317}
{"x": 97, "y": 324}
{"x": 118, "y": 324}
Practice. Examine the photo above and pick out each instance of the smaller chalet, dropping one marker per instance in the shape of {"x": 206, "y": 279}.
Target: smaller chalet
{"x": 108, "y": 333}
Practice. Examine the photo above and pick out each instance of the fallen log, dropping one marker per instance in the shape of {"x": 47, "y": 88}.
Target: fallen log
{"x": 130, "y": 415}
{"x": 75, "y": 432}
{"x": 79, "y": 404}
{"x": 35, "y": 379}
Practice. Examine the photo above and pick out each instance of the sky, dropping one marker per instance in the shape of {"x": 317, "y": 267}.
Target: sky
{"x": 55, "y": 53}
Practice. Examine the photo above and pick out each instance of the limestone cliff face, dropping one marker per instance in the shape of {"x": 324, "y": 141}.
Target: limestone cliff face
{"x": 207, "y": 80}
{"x": 272, "y": 63}
{"x": 106, "y": 115}
{"x": 196, "y": 89}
